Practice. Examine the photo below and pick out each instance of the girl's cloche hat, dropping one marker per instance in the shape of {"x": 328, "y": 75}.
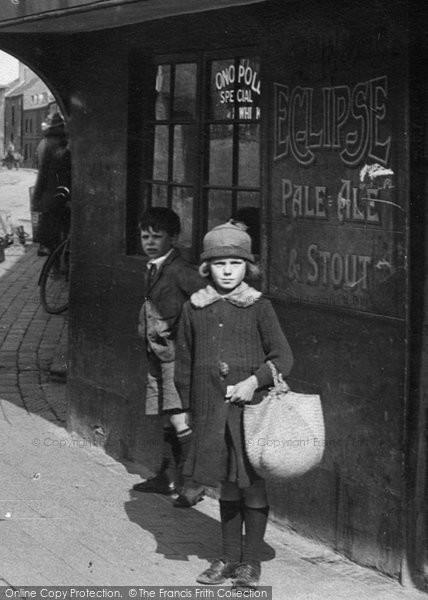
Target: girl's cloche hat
{"x": 228, "y": 239}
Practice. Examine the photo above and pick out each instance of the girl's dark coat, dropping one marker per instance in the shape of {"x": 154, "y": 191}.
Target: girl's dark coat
{"x": 243, "y": 337}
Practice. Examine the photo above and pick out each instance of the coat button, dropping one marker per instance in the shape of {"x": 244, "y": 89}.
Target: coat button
{"x": 223, "y": 368}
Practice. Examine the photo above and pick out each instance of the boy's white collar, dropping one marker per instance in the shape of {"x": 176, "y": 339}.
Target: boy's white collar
{"x": 241, "y": 296}
{"x": 160, "y": 260}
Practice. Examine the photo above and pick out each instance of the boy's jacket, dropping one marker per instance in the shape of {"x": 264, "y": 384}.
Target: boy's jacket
{"x": 174, "y": 283}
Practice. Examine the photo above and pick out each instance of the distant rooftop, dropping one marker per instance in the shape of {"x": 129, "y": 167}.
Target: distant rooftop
{"x": 35, "y": 92}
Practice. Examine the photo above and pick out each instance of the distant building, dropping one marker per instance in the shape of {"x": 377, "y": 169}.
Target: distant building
{"x": 13, "y": 121}
{"x": 3, "y": 90}
{"x": 28, "y": 102}
{"x": 37, "y": 106}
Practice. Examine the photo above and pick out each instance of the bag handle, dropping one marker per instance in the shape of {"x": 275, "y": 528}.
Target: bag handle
{"x": 279, "y": 384}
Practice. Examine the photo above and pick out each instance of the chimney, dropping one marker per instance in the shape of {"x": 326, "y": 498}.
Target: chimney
{"x": 24, "y": 72}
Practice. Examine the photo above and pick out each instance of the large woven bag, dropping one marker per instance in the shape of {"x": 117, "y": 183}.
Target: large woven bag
{"x": 284, "y": 433}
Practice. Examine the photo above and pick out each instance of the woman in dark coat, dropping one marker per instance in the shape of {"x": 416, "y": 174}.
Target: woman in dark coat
{"x": 54, "y": 171}
{"x": 228, "y": 332}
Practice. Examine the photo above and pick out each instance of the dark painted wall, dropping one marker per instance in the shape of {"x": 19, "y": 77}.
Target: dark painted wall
{"x": 339, "y": 274}
{"x": 354, "y": 499}
{"x": 416, "y": 464}
{"x": 349, "y": 344}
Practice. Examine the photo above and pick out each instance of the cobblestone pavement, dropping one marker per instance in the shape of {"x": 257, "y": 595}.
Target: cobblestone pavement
{"x": 68, "y": 514}
{"x": 29, "y": 338}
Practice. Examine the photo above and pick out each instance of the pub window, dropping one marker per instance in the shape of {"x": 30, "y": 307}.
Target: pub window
{"x": 231, "y": 186}
{"x": 175, "y": 141}
{"x": 201, "y": 148}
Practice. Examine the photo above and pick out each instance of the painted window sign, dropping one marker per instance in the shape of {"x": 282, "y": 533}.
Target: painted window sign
{"x": 232, "y": 130}
{"x": 235, "y": 89}
{"x": 337, "y": 224}
{"x": 349, "y": 122}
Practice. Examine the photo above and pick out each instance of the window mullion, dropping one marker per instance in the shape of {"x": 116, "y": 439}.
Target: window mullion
{"x": 204, "y": 119}
{"x": 171, "y": 136}
{"x": 235, "y": 142}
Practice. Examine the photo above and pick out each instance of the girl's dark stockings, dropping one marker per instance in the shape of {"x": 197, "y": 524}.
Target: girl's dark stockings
{"x": 231, "y": 528}
{"x": 255, "y": 527}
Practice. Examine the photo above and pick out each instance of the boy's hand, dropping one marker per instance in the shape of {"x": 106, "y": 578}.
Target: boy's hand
{"x": 243, "y": 391}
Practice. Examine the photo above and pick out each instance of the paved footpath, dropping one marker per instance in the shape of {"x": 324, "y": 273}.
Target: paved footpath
{"x": 68, "y": 515}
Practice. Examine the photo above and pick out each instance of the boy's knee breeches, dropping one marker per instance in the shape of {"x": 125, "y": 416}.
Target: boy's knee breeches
{"x": 161, "y": 393}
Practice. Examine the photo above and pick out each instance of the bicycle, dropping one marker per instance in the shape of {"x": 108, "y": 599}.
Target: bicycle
{"x": 54, "y": 276}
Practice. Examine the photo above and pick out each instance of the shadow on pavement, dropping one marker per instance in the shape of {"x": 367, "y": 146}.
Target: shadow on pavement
{"x": 181, "y": 532}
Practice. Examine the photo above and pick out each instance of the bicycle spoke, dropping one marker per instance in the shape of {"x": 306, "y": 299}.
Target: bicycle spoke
{"x": 54, "y": 281}
{"x": 56, "y": 290}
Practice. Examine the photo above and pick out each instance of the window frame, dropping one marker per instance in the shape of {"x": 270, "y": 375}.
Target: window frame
{"x": 234, "y": 188}
{"x": 141, "y": 127}
{"x": 171, "y": 122}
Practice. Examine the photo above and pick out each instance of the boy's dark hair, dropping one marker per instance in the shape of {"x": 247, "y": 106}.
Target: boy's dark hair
{"x": 160, "y": 218}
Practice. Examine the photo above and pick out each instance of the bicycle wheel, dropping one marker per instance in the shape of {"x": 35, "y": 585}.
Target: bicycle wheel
{"x": 54, "y": 280}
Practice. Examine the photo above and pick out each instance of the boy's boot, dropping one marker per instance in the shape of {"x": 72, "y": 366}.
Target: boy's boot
{"x": 164, "y": 482}
{"x": 247, "y": 574}
{"x": 190, "y": 492}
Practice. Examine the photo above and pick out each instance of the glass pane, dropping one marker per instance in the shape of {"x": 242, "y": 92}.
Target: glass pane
{"x": 235, "y": 89}
{"x": 185, "y": 163}
{"x": 159, "y": 195}
{"x": 222, "y": 88}
{"x": 221, "y": 156}
{"x": 185, "y": 91}
{"x": 248, "y": 212}
{"x": 160, "y": 158}
{"x": 219, "y": 207}
{"x": 248, "y": 199}
{"x": 163, "y": 85}
{"x": 182, "y": 203}
{"x": 249, "y": 155}
{"x": 146, "y": 198}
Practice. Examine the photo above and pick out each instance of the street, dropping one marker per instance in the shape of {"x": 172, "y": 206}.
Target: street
{"x": 68, "y": 514}
{"x": 15, "y": 196}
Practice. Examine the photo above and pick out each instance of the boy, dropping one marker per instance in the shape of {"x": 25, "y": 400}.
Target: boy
{"x": 170, "y": 281}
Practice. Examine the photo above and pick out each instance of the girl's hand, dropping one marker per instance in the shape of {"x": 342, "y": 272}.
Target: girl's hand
{"x": 243, "y": 391}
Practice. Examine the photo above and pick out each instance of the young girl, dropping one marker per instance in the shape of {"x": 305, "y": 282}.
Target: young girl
{"x": 227, "y": 333}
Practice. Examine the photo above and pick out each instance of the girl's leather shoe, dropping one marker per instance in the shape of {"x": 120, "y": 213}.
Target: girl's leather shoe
{"x": 187, "y": 501}
{"x": 247, "y": 575}
{"x": 218, "y": 572}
